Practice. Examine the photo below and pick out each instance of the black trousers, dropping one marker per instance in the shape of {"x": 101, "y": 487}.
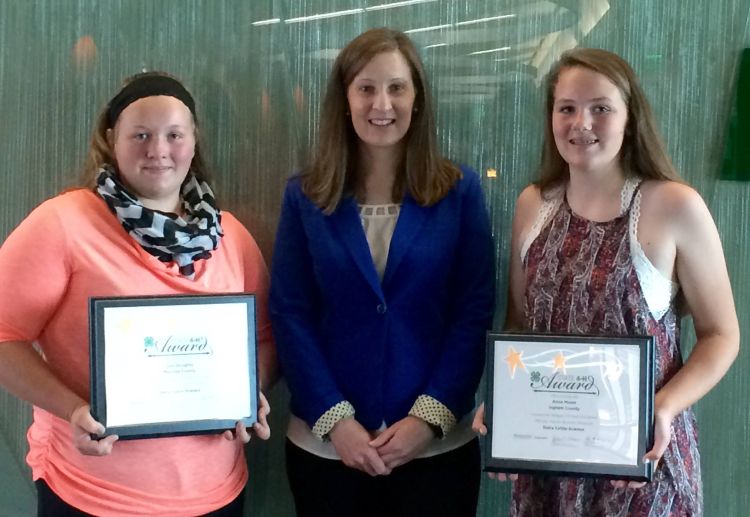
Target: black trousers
{"x": 49, "y": 504}
{"x": 446, "y": 485}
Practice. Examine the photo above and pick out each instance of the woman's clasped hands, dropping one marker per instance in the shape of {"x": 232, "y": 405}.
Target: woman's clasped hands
{"x": 379, "y": 455}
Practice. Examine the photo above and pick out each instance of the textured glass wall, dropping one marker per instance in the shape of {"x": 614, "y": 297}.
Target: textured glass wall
{"x": 257, "y": 69}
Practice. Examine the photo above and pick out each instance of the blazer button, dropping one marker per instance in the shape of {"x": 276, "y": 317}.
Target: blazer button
{"x": 381, "y": 308}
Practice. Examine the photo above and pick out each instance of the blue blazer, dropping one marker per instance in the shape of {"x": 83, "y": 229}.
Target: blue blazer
{"x": 342, "y": 335}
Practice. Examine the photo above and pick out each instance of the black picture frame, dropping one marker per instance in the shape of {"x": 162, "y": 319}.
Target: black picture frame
{"x": 519, "y": 464}
{"x": 98, "y": 343}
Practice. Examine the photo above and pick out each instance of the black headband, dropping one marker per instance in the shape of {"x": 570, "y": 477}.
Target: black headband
{"x": 147, "y": 85}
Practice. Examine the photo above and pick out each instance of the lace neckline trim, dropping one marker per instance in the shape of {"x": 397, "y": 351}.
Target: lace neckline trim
{"x": 658, "y": 290}
{"x": 385, "y": 210}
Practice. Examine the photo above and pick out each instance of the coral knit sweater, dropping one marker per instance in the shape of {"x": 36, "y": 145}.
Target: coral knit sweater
{"x": 71, "y": 248}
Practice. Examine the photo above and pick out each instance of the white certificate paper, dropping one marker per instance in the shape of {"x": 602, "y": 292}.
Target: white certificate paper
{"x": 557, "y": 402}
{"x": 177, "y": 363}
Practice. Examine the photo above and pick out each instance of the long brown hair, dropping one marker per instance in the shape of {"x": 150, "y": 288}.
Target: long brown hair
{"x": 332, "y": 173}
{"x": 643, "y": 152}
{"x": 101, "y": 153}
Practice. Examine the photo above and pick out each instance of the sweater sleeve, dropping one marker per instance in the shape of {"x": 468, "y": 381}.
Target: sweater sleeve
{"x": 257, "y": 281}
{"x": 34, "y": 274}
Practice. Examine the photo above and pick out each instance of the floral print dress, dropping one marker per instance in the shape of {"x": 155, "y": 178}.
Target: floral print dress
{"x": 585, "y": 277}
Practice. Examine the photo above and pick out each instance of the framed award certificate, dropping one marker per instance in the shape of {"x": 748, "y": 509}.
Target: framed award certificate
{"x": 172, "y": 365}
{"x": 570, "y": 405}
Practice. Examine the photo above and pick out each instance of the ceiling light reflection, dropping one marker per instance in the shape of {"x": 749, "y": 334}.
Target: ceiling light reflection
{"x": 460, "y": 24}
{"x": 270, "y": 21}
{"x": 397, "y": 4}
{"x": 324, "y": 16}
{"x": 488, "y": 51}
{"x": 484, "y": 20}
{"x": 425, "y": 29}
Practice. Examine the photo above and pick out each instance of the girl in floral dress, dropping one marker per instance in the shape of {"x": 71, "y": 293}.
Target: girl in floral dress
{"x": 611, "y": 242}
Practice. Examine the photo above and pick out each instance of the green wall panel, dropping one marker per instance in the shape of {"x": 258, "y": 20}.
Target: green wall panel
{"x": 736, "y": 164}
{"x": 258, "y": 88}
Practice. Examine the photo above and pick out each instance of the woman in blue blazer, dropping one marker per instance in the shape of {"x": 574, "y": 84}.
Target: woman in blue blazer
{"x": 382, "y": 289}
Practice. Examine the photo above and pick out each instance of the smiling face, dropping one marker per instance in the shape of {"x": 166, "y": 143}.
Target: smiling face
{"x": 154, "y": 143}
{"x": 589, "y": 117}
{"x": 381, "y": 98}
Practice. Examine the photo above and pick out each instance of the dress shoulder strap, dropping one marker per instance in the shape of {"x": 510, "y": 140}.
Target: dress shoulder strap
{"x": 628, "y": 193}
{"x": 658, "y": 290}
{"x": 550, "y": 204}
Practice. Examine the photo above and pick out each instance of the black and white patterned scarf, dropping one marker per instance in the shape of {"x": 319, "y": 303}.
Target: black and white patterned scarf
{"x": 169, "y": 237}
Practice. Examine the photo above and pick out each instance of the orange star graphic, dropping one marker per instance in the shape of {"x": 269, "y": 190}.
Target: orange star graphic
{"x": 514, "y": 360}
{"x": 560, "y": 362}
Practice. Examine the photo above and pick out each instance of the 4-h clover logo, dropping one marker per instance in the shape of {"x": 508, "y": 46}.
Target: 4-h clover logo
{"x": 535, "y": 376}
{"x": 148, "y": 342}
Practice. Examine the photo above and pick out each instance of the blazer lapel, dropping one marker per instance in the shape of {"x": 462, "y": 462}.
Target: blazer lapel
{"x": 349, "y": 225}
{"x": 410, "y": 220}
